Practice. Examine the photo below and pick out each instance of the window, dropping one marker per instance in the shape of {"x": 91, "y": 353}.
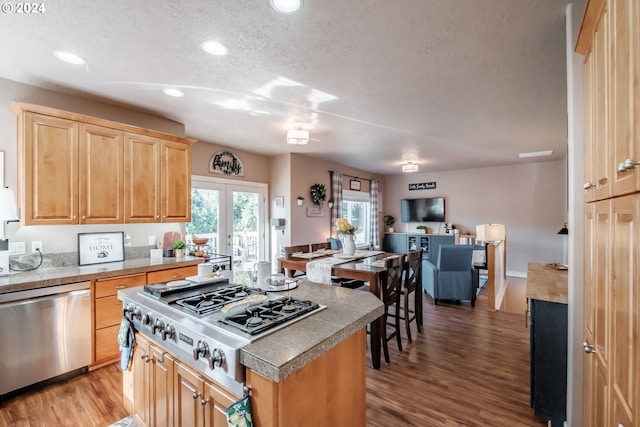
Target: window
{"x": 355, "y": 209}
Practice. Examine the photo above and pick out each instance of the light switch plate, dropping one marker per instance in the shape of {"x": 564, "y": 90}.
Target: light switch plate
{"x": 17, "y": 248}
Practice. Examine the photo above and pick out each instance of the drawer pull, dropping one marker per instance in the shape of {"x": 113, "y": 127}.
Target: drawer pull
{"x": 121, "y": 287}
{"x": 628, "y": 164}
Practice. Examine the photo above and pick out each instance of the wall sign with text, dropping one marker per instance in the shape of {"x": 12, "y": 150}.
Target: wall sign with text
{"x": 423, "y": 186}
{"x": 98, "y": 248}
{"x": 226, "y": 163}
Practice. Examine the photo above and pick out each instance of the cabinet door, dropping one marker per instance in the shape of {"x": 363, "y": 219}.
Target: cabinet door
{"x": 216, "y": 401}
{"x": 171, "y": 274}
{"x": 141, "y": 386}
{"x": 176, "y": 182}
{"x": 142, "y": 178}
{"x": 161, "y": 388}
{"x": 624, "y": 144}
{"x": 603, "y": 164}
{"x": 101, "y": 175}
{"x": 624, "y": 341}
{"x": 49, "y": 170}
{"x": 187, "y": 397}
{"x": 589, "y": 124}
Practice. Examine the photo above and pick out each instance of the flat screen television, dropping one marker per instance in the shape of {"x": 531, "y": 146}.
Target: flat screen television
{"x": 422, "y": 210}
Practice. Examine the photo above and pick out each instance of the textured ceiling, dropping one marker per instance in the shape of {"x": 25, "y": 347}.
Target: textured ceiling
{"x": 448, "y": 84}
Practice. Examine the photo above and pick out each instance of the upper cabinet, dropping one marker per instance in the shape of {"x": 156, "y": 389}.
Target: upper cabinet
{"x": 83, "y": 170}
{"x": 608, "y": 40}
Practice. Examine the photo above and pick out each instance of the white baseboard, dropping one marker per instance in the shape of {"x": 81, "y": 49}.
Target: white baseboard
{"x": 522, "y": 274}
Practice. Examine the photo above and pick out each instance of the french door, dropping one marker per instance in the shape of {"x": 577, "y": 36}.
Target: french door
{"x": 233, "y": 216}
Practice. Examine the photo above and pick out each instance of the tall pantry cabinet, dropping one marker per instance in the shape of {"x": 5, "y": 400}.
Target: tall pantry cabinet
{"x": 610, "y": 42}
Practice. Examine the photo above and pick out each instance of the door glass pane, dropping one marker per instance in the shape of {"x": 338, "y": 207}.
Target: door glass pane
{"x": 357, "y": 213}
{"x": 246, "y": 232}
{"x": 205, "y": 214}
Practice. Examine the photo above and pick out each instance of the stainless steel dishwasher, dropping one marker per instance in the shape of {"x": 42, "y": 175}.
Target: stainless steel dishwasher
{"x": 44, "y": 333}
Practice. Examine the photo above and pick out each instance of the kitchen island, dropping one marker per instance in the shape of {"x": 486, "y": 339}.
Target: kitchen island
{"x": 311, "y": 372}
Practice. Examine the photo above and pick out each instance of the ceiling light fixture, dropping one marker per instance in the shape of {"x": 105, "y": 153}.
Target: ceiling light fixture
{"x": 215, "y": 48}
{"x": 286, "y": 6}
{"x": 297, "y": 136}
{"x": 69, "y": 58}
{"x": 409, "y": 167}
{"x": 536, "y": 154}
{"x": 177, "y": 93}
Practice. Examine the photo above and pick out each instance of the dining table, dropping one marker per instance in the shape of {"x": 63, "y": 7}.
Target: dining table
{"x": 367, "y": 266}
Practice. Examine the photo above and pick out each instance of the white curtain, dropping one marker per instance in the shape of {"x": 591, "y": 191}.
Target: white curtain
{"x": 336, "y": 195}
{"x": 374, "y": 230}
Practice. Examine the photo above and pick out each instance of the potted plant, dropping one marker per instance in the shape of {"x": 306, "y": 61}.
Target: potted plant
{"x": 300, "y": 200}
{"x": 421, "y": 228}
{"x": 178, "y": 248}
{"x": 389, "y": 220}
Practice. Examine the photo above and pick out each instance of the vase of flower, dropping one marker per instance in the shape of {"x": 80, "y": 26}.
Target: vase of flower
{"x": 347, "y": 233}
{"x": 348, "y": 244}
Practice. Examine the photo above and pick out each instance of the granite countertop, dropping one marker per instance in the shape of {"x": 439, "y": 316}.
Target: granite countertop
{"x": 282, "y": 353}
{"x": 45, "y": 277}
{"x": 547, "y": 283}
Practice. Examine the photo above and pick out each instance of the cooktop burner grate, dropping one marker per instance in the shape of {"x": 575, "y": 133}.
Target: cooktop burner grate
{"x": 209, "y": 302}
{"x": 257, "y": 319}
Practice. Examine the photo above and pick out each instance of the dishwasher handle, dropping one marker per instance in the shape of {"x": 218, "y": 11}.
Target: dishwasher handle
{"x": 49, "y": 292}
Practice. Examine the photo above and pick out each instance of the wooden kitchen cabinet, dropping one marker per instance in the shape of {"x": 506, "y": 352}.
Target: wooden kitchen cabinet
{"x": 142, "y": 171}
{"x": 610, "y": 41}
{"x": 79, "y": 169}
{"x": 101, "y": 175}
{"x": 198, "y": 402}
{"x": 49, "y": 169}
{"x": 107, "y": 315}
{"x": 152, "y": 387}
{"x": 176, "y": 182}
{"x": 171, "y": 274}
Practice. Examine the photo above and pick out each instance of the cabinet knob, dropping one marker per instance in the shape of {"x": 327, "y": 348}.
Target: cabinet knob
{"x": 84, "y": 217}
{"x": 588, "y": 185}
{"x": 588, "y": 348}
{"x": 204, "y": 402}
{"x": 627, "y": 164}
{"x": 196, "y": 395}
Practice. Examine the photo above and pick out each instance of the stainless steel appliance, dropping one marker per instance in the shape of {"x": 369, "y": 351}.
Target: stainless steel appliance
{"x": 4, "y": 256}
{"x": 45, "y": 332}
{"x": 189, "y": 322}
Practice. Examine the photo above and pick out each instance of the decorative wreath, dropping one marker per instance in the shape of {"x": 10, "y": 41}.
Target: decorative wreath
{"x": 318, "y": 194}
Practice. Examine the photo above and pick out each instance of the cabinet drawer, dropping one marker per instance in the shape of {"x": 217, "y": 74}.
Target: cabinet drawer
{"x": 108, "y": 312}
{"x": 171, "y": 274}
{"x": 107, "y": 343}
{"x": 108, "y": 287}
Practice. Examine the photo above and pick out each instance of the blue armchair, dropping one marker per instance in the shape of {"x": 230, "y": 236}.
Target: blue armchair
{"x": 453, "y": 278}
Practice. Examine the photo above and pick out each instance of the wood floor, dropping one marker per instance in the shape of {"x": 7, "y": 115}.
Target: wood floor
{"x": 469, "y": 367}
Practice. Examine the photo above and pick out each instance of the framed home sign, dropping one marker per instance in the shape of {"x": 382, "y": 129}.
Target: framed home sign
{"x": 354, "y": 184}
{"x": 99, "y": 248}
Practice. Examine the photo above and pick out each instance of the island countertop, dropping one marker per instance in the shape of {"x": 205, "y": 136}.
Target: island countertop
{"x": 42, "y": 278}
{"x": 547, "y": 283}
{"x": 280, "y": 354}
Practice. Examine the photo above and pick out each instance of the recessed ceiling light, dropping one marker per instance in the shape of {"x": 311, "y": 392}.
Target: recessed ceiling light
{"x": 215, "y": 48}
{"x": 536, "y": 154}
{"x": 286, "y": 6}
{"x": 69, "y": 58}
{"x": 173, "y": 92}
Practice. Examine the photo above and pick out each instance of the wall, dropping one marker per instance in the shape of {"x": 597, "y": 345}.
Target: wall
{"x": 306, "y": 171}
{"x": 256, "y": 166}
{"x": 530, "y": 199}
{"x": 64, "y": 239}
{"x": 280, "y": 186}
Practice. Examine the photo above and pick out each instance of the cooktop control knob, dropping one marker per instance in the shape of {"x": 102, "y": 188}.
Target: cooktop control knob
{"x": 137, "y": 313}
{"x": 168, "y": 332}
{"x": 202, "y": 349}
{"x": 158, "y": 325}
{"x": 217, "y": 358}
{"x": 146, "y": 319}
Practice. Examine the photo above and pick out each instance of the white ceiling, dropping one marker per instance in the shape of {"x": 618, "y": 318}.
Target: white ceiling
{"x": 450, "y": 84}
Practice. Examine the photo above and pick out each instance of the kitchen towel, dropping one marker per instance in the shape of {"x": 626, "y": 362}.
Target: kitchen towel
{"x": 126, "y": 340}
{"x": 239, "y": 413}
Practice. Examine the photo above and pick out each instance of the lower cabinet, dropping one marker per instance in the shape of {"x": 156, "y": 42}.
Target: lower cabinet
{"x": 160, "y": 391}
{"x": 108, "y": 313}
{"x": 548, "y": 341}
